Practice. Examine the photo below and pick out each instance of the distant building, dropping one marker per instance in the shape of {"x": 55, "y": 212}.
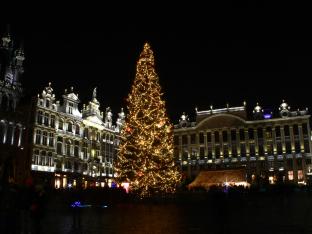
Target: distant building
{"x": 12, "y": 118}
{"x": 270, "y": 148}
{"x": 73, "y": 148}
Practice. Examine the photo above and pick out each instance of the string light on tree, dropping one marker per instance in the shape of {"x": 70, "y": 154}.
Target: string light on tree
{"x": 145, "y": 157}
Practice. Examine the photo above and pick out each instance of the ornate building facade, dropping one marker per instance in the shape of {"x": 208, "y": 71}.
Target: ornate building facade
{"x": 72, "y": 147}
{"x": 12, "y": 120}
{"x": 270, "y": 148}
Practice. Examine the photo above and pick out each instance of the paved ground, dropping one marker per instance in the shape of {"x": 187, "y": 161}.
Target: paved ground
{"x": 291, "y": 214}
{"x": 264, "y": 213}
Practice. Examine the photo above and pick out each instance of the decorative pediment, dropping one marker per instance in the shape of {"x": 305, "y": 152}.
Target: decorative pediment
{"x": 72, "y": 96}
{"x": 94, "y": 121}
{"x": 221, "y": 121}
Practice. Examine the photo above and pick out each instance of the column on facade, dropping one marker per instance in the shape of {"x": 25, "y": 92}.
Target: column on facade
{"x": 255, "y": 130}
{"x": 293, "y": 151}
{"x": 292, "y": 139}
{"x": 265, "y": 149}
{"x": 301, "y": 140}
{"x": 74, "y": 128}
{"x": 64, "y": 146}
{"x": 283, "y": 139}
{"x": 283, "y": 142}
{"x": 20, "y": 136}
{"x": 180, "y": 148}
{"x": 34, "y": 135}
{"x": 274, "y": 142}
{"x": 256, "y": 142}
{"x": 5, "y": 132}
{"x": 247, "y": 146}
{"x": 229, "y": 144}
{"x": 213, "y": 145}
{"x": 221, "y": 144}
{"x": 274, "y": 148}
{"x": 238, "y": 145}
{"x": 309, "y": 136}
{"x": 36, "y": 116}
{"x": 205, "y": 144}
{"x": 189, "y": 153}
{"x": 12, "y": 134}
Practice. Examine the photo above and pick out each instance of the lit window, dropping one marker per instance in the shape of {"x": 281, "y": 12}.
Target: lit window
{"x": 51, "y": 139}
{"x": 38, "y": 137}
{"x": 69, "y": 127}
{"x": 70, "y": 108}
{"x": 290, "y": 175}
{"x": 44, "y": 138}
{"x": 300, "y": 175}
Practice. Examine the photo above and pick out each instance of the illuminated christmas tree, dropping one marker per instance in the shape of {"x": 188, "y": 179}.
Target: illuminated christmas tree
{"x": 145, "y": 157}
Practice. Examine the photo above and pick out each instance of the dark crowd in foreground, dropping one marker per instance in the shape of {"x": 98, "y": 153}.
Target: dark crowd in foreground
{"x": 38, "y": 209}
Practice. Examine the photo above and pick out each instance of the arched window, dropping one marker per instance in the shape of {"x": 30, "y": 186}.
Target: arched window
{"x": 52, "y": 123}
{"x": 51, "y": 139}
{"x": 86, "y": 133}
{"x": 35, "y": 158}
{"x": 98, "y": 136}
{"x": 85, "y": 150}
{"x": 76, "y": 149}
{"x": 47, "y": 103}
{"x": 68, "y": 151}
{"x": 69, "y": 127}
{"x": 61, "y": 122}
{"x": 38, "y": 137}
{"x": 39, "y": 117}
{"x": 42, "y": 160}
{"x": 46, "y": 119}
{"x": 44, "y": 138}
{"x": 68, "y": 164}
{"x": 50, "y": 160}
{"x": 59, "y": 146}
{"x": 77, "y": 131}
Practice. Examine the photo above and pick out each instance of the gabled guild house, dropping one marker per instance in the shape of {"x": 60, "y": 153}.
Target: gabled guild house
{"x": 72, "y": 147}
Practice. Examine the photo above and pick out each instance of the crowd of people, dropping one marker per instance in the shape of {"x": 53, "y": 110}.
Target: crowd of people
{"x": 21, "y": 207}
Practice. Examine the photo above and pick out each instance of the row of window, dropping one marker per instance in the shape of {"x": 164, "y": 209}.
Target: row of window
{"x": 49, "y": 121}
{"x": 288, "y": 164}
{"x": 44, "y": 138}
{"x": 217, "y": 150}
{"x": 44, "y": 158}
{"x": 243, "y": 134}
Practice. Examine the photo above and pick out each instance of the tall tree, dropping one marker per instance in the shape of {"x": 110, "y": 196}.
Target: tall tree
{"x": 145, "y": 157}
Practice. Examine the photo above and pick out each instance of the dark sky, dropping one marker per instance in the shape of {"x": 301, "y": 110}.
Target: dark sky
{"x": 210, "y": 61}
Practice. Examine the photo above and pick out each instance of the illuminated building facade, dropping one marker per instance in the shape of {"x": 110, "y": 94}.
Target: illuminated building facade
{"x": 12, "y": 121}
{"x": 270, "y": 148}
{"x": 73, "y": 148}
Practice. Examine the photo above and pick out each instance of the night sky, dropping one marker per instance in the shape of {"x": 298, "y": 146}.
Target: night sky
{"x": 213, "y": 61}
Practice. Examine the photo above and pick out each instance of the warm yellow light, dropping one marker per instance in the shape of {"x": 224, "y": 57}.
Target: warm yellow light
{"x": 145, "y": 156}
